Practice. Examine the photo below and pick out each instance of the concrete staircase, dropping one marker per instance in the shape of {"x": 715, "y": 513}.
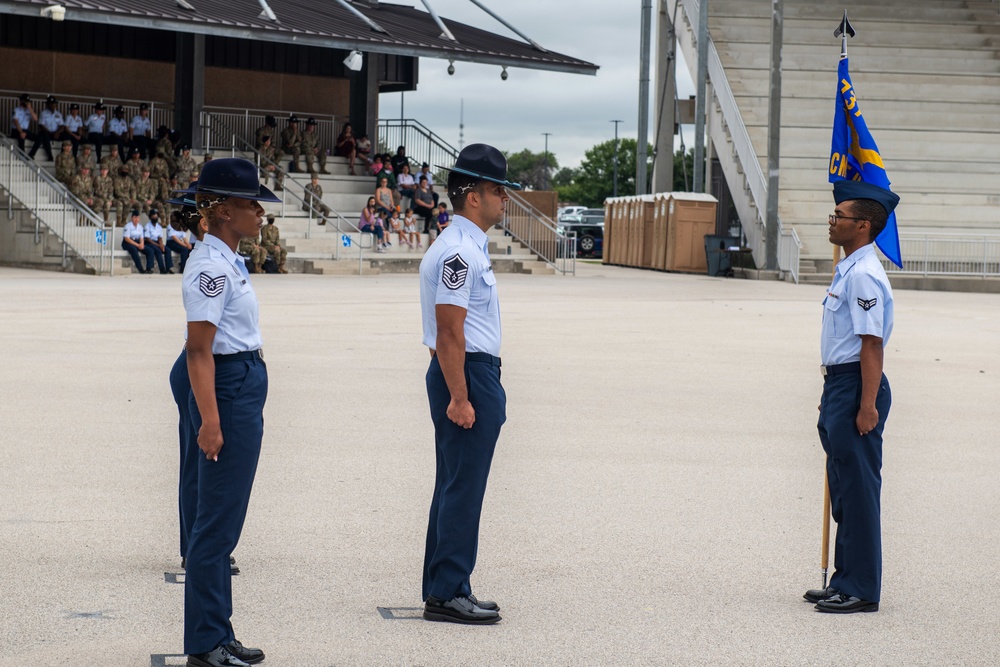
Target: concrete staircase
{"x": 927, "y": 73}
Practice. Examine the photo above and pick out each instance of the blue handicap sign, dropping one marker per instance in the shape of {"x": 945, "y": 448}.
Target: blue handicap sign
{"x": 346, "y": 240}
{"x": 101, "y": 236}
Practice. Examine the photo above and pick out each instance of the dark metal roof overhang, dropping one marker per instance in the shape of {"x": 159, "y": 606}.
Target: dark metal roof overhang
{"x": 320, "y": 23}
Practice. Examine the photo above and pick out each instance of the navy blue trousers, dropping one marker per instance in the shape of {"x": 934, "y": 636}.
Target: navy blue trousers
{"x": 463, "y": 466}
{"x": 854, "y": 470}
{"x": 187, "y": 490}
{"x": 135, "y": 253}
{"x": 223, "y": 495}
{"x": 174, "y": 246}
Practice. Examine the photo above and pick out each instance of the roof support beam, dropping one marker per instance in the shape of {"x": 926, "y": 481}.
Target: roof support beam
{"x": 509, "y": 26}
{"x": 445, "y": 33}
{"x": 354, "y": 10}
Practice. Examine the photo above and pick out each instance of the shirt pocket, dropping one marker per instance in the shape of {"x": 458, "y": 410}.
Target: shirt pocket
{"x": 490, "y": 291}
{"x": 838, "y": 316}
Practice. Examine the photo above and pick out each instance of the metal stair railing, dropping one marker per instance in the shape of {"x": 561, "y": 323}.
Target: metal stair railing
{"x": 524, "y": 223}
{"x": 218, "y": 127}
{"x": 83, "y": 233}
{"x": 422, "y": 145}
{"x": 739, "y": 164}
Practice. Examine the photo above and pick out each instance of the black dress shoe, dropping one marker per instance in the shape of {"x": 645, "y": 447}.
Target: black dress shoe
{"x": 814, "y": 595}
{"x": 251, "y": 656}
{"x": 459, "y": 609}
{"x": 218, "y": 657}
{"x": 845, "y": 604}
{"x": 488, "y": 605}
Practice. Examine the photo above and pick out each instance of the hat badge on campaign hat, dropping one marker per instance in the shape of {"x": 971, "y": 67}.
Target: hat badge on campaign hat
{"x": 230, "y": 177}
{"x": 484, "y": 162}
{"x": 293, "y": 119}
{"x": 311, "y": 121}
{"x": 846, "y": 190}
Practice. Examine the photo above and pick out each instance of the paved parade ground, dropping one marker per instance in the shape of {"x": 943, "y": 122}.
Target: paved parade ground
{"x": 655, "y": 497}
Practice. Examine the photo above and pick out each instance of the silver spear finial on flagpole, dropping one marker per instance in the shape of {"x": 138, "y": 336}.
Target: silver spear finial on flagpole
{"x": 843, "y": 30}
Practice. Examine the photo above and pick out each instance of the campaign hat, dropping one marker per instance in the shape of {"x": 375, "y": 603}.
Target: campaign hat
{"x": 484, "y": 162}
{"x": 847, "y": 190}
{"x": 230, "y": 177}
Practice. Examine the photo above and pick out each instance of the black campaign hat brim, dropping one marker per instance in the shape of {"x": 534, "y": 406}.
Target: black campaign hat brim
{"x": 264, "y": 194}
{"x": 503, "y": 182}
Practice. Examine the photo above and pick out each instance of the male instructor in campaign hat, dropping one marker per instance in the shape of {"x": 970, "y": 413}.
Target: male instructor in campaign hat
{"x": 857, "y": 322}
{"x": 461, "y": 325}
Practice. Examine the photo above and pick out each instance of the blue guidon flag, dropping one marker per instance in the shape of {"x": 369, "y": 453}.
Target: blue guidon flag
{"x": 455, "y": 271}
{"x": 210, "y": 286}
{"x": 855, "y": 156}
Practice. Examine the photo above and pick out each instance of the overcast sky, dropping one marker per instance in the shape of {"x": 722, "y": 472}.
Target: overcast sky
{"x": 513, "y": 114}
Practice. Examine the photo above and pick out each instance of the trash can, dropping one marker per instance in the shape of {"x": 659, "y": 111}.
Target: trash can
{"x": 719, "y": 263}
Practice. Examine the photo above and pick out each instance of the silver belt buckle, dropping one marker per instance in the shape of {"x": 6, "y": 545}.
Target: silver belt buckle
{"x": 822, "y": 370}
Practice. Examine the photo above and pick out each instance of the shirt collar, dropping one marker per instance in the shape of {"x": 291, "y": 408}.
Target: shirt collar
{"x": 470, "y": 228}
{"x": 216, "y": 242}
{"x": 848, "y": 262}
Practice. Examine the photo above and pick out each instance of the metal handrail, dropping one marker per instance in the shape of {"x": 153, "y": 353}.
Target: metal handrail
{"x": 422, "y": 144}
{"x": 238, "y": 143}
{"x": 82, "y": 232}
{"x": 244, "y": 123}
{"x": 524, "y": 223}
{"x": 944, "y": 254}
{"x": 744, "y": 153}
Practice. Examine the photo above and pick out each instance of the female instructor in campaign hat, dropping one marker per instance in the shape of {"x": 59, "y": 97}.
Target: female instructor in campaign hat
{"x": 229, "y": 386}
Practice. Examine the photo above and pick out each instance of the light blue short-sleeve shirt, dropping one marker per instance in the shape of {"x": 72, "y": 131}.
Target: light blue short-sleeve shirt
{"x": 456, "y": 270}
{"x": 858, "y": 303}
{"x": 217, "y": 289}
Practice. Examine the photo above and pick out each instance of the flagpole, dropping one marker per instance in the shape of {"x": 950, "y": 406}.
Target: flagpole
{"x": 843, "y": 31}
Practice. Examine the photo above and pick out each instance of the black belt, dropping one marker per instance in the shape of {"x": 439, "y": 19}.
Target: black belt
{"x": 239, "y": 356}
{"x": 483, "y": 357}
{"x": 841, "y": 369}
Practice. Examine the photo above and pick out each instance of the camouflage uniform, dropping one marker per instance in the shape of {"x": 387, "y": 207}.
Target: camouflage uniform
{"x": 104, "y": 194}
{"x": 65, "y": 165}
{"x": 267, "y": 169}
{"x": 311, "y": 149}
{"x": 147, "y": 192}
{"x": 314, "y": 196}
{"x": 249, "y": 247}
{"x": 269, "y": 236}
{"x": 86, "y": 157}
{"x": 124, "y": 197}
{"x": 112, "y": 161}
{"x": 82, "y": 186}
{"x": 165, "y": 146}
{"x": 135, "y": 168}
{"x": 186, "y": 169}
{"x": 291, "y": 142}
{"x": 159, "y": 171}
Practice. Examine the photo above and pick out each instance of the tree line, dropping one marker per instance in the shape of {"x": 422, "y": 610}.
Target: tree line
{"x": 593, "y": 181}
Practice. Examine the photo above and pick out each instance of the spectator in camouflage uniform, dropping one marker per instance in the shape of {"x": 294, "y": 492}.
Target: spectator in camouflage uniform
{"x": 291, "y": 142}
{"x": 269, "y": 128}
{"x": 311, "y": 148}
{"x": 147, "y": 191}
{"x": 269, "y": 236}
{"x": 206, "y": 158}
{"x": 314, "y": 197}
{"x": 86, "y": 156}
{"x": 249, "y": 247}
{"x": 159, "y": 168}
{"x": 269, "y": 166}
{"x": 166, "y": 146}
{"x": 125, "y": 198}
{"x": 186, "y": 167}
{"x": 136, "y": 165}
{"x": 112, "y": 160}
{"x": 82, "y": 185}
{"x": 104, "y": 193}
{"x": 66, "y": 163}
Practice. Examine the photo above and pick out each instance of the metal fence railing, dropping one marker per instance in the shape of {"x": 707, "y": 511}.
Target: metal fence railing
{"x": 789, "y": 251}
{"x": 947, "y": 255}
{"x": 244, "y": 123}
{"x": 159, "y": 113}
{"x": 294, "y": 190}
{"x": 541, "y": 236}
{"x": 82, "y": 232}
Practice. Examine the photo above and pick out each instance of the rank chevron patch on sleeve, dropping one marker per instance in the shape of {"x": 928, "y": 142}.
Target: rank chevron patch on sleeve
{"x": 210, "y": 286}
{"x": 455, "y": 271}
{"x": 867, "y": 305}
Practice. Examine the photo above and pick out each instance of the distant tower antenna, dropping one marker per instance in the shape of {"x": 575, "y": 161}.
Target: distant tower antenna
{"x": 461, "y": 123}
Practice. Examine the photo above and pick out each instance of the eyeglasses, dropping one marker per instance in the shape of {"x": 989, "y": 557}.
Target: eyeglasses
{"x": 834, "y": 217}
